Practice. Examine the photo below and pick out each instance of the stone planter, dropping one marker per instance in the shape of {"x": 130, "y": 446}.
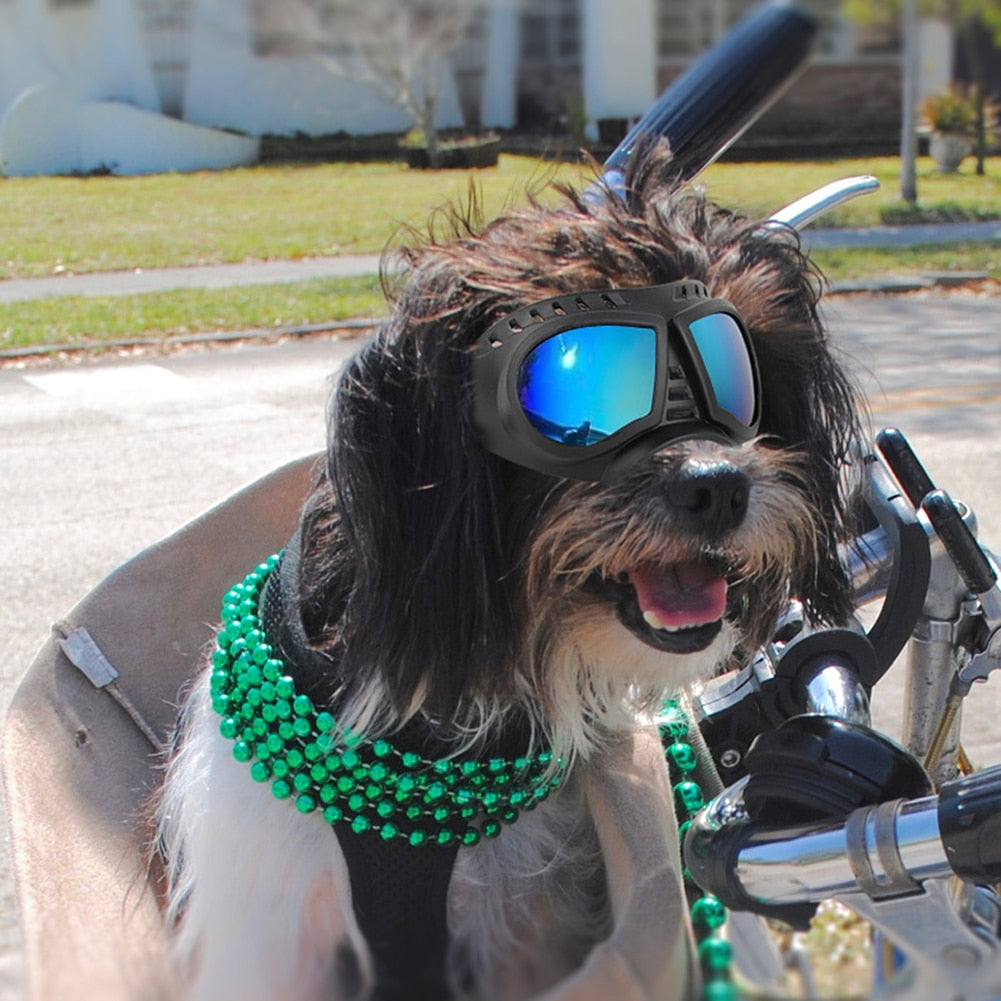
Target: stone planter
{"x": 460, "y": 154}
{"x": 948, "y": 150}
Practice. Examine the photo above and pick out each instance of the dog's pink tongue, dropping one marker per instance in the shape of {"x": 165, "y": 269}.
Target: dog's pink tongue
{"x": 679, "y": 594}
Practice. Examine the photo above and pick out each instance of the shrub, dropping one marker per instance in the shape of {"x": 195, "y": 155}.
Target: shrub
{"x": 954, "y": 111}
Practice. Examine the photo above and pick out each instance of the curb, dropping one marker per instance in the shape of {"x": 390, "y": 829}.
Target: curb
{"x": 356, "y": 327}
{"x": 352, "y": 329}
{"x": 916, "y": 283}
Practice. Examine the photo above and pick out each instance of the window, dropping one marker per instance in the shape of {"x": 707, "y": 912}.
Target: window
{"x": 684, "y": 28}
{"x": 551, "y": 31}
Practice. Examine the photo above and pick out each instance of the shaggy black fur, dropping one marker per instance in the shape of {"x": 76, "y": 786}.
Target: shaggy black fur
{"x": 414, "y": 540}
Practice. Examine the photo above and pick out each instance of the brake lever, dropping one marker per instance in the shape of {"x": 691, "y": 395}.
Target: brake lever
{"x": 982, "y": 654}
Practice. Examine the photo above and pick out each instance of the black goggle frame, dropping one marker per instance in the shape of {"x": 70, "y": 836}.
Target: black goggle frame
{"x": 684, "y": 404}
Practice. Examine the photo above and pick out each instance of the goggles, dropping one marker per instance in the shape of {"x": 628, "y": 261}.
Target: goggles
{"x": 584, "y": 385}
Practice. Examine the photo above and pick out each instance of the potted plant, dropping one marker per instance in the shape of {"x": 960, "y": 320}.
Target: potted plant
{"x": 951, "y": 115}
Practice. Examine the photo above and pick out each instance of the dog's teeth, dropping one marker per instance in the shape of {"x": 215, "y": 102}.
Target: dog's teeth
{"x": 654, "y": 621}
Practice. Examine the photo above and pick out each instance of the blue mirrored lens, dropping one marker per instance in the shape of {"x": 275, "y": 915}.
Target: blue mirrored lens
{"x": 583, "y": 385}
{"x": 721, "y": 344}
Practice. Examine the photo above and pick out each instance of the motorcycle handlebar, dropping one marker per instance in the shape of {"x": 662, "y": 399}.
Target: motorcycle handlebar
{"x": 707, "y": 108}
{"x": 884, "y": 850}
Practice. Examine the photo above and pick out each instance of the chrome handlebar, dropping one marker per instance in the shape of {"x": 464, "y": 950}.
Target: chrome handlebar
{"x": 892, "y": 863}
{"x": 919, "y": 868}
{"x": 885, "y": 850}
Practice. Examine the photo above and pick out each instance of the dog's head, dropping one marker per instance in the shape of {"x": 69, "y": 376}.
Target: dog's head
{"x": 459, "y": 583}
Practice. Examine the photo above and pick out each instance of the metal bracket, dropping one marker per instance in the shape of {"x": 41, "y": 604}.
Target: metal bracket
{"x": 88, "y": 658}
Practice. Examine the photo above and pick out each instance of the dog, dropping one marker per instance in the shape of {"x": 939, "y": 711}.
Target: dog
{"x": 470, "y": 594}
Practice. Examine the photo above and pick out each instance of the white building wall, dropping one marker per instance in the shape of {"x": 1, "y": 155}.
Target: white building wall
{"x": 66, "y": 57}
{"x": 498, "y": 104}
{"x": 619, "y": 57}
{"x": 106, "y": 56}
{"x": 20, "y": 48}
{"x": 195, "y": 58}
{"x": 77, "y": 94}
{"x": 229, "y": 86}
{"x": 92, "y": 47}
{"x": 936, "y": 40}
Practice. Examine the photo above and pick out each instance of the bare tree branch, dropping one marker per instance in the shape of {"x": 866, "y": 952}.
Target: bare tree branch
{"x": 397, "y": 47}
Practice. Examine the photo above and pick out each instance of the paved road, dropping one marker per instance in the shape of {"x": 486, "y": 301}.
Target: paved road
{"x": 99, "y": 459}
{"x": 932, "y": 367}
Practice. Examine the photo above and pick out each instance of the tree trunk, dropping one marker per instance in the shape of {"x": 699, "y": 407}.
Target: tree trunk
{"x": 425, "y": 92}
{"x": 430, "y": 130}
{"x": 908, "y": 111}
{"x": 971, "y": 39}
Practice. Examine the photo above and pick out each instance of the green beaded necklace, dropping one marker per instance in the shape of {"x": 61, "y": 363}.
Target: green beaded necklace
{"x": 367, "y": 784}
{"x": 708, "y": 914}
{"x": 371, "y": 786}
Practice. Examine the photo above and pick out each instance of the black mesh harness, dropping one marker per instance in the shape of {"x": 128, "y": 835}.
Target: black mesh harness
{"x": 399, "y": 893}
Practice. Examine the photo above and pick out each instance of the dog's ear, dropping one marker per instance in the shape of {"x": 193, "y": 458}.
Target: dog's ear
{"x": 421, "y": 506}
{"x": 810, "y": 402}
{"x": 810, "y": 405}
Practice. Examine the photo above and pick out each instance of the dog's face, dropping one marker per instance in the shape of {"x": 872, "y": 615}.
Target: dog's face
{"x": 459, "y": 586}
{"x": 660, "y": 575}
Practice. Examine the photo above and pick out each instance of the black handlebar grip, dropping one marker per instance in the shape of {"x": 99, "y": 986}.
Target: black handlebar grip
{"x": 726, "y": 89}
{"x": 969, "y": 821}
{"x": 910, "y": 570}
{"x": 960, "y": 543}
{"x": 904, "y": 465}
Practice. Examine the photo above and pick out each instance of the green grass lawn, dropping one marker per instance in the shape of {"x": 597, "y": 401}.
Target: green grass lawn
{"x": 106, "y": 223}
{"x": 878, "y": 263}
{"x": 87, "y": 224}
{"x": 761, "y": 188}
{"x": 92, "y": 321}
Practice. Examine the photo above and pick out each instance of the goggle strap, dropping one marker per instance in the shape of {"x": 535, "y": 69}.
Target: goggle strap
{"x": 680, "y": 404}
{"x": 584, "y": 302}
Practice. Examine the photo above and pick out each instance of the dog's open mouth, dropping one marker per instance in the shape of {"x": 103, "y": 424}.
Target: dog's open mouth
{"x": 674, "y": 607}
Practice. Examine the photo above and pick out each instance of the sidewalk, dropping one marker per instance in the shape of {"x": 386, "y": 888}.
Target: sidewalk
{"x": 265, "y": 272}
{"x": 166, "y": 279}
{"x": 902, "y": 236}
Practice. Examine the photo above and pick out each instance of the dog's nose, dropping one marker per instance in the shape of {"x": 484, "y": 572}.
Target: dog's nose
{"x": 709, "y": 496}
